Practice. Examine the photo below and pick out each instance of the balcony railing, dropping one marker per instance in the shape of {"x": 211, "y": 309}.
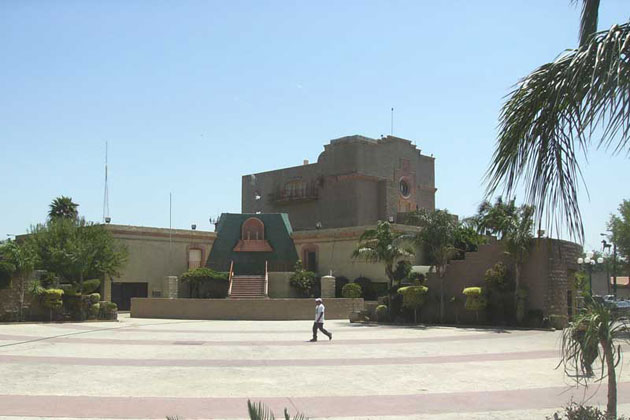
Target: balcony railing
{"x": 299, "y": 193}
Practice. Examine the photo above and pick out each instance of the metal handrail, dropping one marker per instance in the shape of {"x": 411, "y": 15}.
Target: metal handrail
{"x": 266, "y": 280}
{"x": 230, "y": 277}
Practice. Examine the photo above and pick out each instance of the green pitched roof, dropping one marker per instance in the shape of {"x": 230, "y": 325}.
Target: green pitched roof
{"x": 277, "y": 232}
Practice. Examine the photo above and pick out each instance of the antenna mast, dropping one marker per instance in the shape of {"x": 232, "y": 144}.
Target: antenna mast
{"x": 392, "y": 127}
{"x": 106, "y": 196}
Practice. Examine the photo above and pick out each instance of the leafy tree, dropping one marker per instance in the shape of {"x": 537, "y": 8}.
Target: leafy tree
{"x": 578, "y": 101}
{"x": 21, "y": 257}
{"x": 76, "y": 250}
{"x": 620, "y": 229}
{"x": 437, "y": 236}
{"x": 385, "y": 246}
{"x": 594, "y": 329}
{"x": 63, "y": 207}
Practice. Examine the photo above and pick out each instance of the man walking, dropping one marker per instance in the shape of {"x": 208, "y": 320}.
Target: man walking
{"x": 319, "y": 320}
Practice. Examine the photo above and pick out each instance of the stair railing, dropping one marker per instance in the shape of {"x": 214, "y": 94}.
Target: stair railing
{"x": 266, "y": 279}
{"x": 230, "y": 278}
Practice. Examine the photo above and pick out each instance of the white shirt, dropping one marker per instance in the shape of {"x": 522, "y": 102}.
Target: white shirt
{"x": 319, "y": 310}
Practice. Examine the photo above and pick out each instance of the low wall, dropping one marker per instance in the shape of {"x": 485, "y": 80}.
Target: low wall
{"x": 241, "y": 309}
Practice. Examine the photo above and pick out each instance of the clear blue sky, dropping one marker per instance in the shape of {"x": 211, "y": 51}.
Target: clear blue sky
{"x": 191, "y": 95}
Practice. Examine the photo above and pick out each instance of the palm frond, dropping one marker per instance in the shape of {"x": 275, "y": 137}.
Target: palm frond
{"x": 259, "y": 411}
{"x": 552, "y": 114}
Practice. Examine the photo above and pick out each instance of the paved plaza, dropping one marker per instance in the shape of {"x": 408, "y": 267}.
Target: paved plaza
{"x": 151, "y": 368}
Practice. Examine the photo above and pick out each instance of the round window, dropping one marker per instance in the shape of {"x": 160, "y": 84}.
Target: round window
{"x": 404, "y": 188}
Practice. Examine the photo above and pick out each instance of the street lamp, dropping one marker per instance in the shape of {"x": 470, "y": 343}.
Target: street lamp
{"x": 590, "y": 262}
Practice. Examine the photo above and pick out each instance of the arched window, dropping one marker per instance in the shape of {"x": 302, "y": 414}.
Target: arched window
{"x": 253, "y": 229}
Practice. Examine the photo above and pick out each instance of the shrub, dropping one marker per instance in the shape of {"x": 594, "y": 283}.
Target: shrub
{"x": 575, "y": 411}
{"x": 107, "y": 310}
{"x": 95, "y": 297}
{"x": 339, "y": 283}
{"x": 475, "y": 300}
{"x": 206, "y": 283}
{"x": 302, "y": 280}
{"x": 381, "y": 313}
{"x": 90, "y": 286}
{"x": 351, "y": 290}
{"x": 95, "y": 310}
{"x": 52, "y": 298}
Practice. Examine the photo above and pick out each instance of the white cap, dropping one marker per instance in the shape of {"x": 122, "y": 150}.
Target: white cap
{"x": 318, "y": 300}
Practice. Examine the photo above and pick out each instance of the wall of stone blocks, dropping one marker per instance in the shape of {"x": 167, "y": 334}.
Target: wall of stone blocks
{"x": 241, "y": 309}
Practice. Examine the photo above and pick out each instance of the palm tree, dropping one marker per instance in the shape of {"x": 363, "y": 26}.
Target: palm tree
{"x": 557, "y": 109}
{"x": 495, "y": 219}
{"x": 63, "y": 207}
{"x": 438, "y": 234}
{"x": 383, "y": 245}
{"x": 594, "y": 329}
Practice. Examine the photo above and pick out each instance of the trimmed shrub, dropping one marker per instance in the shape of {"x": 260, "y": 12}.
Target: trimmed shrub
{"x": 95, "y": 297}
{"x": 108, "y": 310}
{"x": 52, "y": 298}
{"x": 95, "y": 310}
{"x": 90, "y": 286}
{"x": 475, "y": 300}
{"x": 413, "y": 298}
{"x": 339, "y": 283}
{"x": 381, "y": 313}
{"x": 351, "y": 290}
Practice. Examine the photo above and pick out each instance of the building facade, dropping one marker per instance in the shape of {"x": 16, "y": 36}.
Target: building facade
{"x": 355, "y": 182}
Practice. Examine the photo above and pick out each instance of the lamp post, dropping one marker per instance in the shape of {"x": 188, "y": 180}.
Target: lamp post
{"x": 589, "y": 262}
{"x": 611, "y": 237}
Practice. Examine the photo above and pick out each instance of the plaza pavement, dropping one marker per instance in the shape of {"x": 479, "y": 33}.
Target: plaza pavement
{"x": 151, "y": 368}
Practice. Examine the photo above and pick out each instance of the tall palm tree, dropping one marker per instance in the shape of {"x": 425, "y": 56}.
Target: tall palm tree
{"x": 495, "y": 219}
{"x": 385, "y": 246}
{"x": 594, "y": 335}
{"x": 554, "y": 112}
{"x": 63, "y": 207}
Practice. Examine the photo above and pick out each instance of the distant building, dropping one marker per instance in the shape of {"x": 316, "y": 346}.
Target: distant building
{"x": 355, "y": 182}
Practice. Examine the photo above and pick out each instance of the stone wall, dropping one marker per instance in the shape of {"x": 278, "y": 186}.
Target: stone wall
{"x": 241, "y": 309}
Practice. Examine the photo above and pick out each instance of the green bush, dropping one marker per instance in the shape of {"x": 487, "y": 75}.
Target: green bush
{"x": 90, "y": 286}
{"x": 95, "y": 297}
{"x": 95, "y": 310}
{"x": 302, "y": 280}
{"x": 351, "y": 290}
{"x": 339, "y": 283}
{"x": 381, "y": 313}
{"x": 206, "y": 283}
{"x": 52, "y": 298}
{"x": 107, "y": 310}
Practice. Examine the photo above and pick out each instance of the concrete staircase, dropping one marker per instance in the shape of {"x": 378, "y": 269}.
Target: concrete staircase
{"x": 248, "y": 287}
